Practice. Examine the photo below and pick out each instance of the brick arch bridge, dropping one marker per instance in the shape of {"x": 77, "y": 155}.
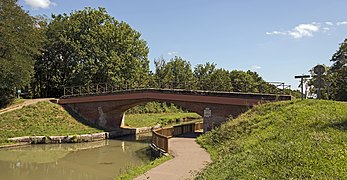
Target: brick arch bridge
{"x": 107, "y": 110}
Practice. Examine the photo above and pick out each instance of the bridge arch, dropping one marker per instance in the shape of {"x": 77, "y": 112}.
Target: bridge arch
{"x": 107, "y": 110}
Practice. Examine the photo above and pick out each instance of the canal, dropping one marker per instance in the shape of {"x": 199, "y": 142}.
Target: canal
{"x": 88, "y": 161}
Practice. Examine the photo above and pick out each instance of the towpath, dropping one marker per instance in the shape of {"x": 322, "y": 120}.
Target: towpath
{"x": 27, "y": 102}
{"x": 189, "y": 158}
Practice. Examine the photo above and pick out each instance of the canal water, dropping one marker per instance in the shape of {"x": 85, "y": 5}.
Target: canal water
{"x": 88, "y": 161}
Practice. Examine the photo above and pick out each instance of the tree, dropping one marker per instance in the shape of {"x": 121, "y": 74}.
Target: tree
{"x": 338, "y": 73}
{"x": 20, "y": 40}
{"x": 203, "y": 75}
{"x": 87, "y": 47}
{"x": 177, "y": 73}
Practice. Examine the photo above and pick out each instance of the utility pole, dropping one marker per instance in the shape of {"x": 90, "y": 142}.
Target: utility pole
{"x": 302, "y": 83}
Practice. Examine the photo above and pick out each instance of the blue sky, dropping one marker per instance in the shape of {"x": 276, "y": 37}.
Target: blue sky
{"x": 276, "y": 38}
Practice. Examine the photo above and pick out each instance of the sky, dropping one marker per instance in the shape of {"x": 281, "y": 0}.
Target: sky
{"x": 276, "y": 38}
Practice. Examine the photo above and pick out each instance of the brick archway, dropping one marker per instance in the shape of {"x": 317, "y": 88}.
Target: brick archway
{"x": 107, "y": 111}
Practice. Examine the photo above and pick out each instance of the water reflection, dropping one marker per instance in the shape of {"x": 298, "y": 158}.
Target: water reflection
{"x": 96, "y": 160}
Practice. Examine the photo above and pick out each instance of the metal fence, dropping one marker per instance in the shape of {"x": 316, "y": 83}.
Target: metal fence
{"x": 103, "y": 88}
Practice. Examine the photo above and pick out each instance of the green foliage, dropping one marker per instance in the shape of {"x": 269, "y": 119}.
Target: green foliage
{"x": 43, "y": 118}
{"x": 137, "y": 171}
{"x": 177, "y": 73}
{"x": 283, "y": 140}
{"x": 152, "y": 119}
{"x": 335, "y": 77}
{"x": 90, "y": 46}
{"x": 338, "y": 74}
{"x": 20, "y": 40}
{"x": 154, "y": 107}
{"x": 173, "y": 74}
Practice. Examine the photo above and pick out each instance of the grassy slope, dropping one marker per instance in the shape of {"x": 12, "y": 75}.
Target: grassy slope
{"x": 43, "y": 118}
{"x": 284, "y": 140}
{"x": 152, "y": 119}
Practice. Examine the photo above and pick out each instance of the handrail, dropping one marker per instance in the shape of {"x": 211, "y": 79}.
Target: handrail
{"x": 160, "y": 137}
{"x": 102, "y": 88}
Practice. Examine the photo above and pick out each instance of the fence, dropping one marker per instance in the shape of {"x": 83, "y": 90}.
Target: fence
{"x": 161, "y": 137}
{"x": 102, "y": 88}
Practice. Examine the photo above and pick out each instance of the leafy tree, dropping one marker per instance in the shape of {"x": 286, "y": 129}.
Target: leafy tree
{"x": 220, "y": 80}
{"x": 203, "y": 75}
{"x": 20, "y": 39}
{"x": 338, "y": 73}
{"x": 242, "y": 81}
{"x": 177, "y": 73}
{"x": 89, "y": 46}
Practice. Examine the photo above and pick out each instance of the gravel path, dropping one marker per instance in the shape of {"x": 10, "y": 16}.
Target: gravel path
{"x": 27, "y": 102}
{"x": 189, "y": 158}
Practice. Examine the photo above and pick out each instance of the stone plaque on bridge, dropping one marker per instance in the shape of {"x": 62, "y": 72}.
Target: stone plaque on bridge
{"x": 207, "y": 112}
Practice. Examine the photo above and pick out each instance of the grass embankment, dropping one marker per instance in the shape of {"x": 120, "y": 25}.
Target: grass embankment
{"x": 152, "y": 119}
{"x": 137, "y": 171}
{"x": 42, "y": 118}
{"x": 285, "y": 140}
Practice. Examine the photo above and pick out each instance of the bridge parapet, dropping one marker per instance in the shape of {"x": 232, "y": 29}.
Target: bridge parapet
{"x": 106, "y": 88}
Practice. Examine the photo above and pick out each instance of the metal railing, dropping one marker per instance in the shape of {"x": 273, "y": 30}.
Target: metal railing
{"x": 103, "y": 88}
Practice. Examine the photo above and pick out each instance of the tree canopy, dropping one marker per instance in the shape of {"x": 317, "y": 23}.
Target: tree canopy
{"x": 20, "y": 41}
{"x": 335, "y": 76}
{"x": 338, "y": 73}
{"x": 90, "y": 46}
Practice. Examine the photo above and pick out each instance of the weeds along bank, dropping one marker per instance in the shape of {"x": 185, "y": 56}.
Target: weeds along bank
{"x": 283, "y": 140}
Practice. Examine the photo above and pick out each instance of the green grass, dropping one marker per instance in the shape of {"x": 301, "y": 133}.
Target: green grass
{"x": 137, "y": 171}
{"x": 42, "y": 118}
{"x": 284, "y": 140}
{"x": 152, "y": 119}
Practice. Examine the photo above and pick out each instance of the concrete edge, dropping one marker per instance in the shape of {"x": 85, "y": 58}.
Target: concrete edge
{"x": 26, "y": 140}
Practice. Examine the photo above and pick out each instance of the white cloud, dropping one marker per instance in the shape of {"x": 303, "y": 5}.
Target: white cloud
{"x": 255, "y": 67}
{"x": 37, "y": 4}
{"x": 172, "y": 53}
{"x": 329, "y": 23}
{"x": 276, "y": 33}
{"x": 341, "y": 23}
{"x": 308, "y": 30}
{"x": 303, "y": 30}
{"x": 325, "y": 29}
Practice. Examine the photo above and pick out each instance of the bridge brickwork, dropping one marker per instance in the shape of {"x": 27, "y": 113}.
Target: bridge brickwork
{"x": 107, "y": 110}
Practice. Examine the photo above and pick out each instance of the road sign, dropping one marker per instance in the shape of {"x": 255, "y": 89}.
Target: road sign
{"x": 302, "y": 76}
{"x": 319, "y": 69}
{"x": 207, "y": 112}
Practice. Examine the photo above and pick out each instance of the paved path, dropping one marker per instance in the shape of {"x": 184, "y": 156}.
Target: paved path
{"x": 27, "y": 102}
{"x": 189, "y": 158}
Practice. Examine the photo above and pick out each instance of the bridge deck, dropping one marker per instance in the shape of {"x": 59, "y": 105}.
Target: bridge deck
{"x": 219, "y": 97}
